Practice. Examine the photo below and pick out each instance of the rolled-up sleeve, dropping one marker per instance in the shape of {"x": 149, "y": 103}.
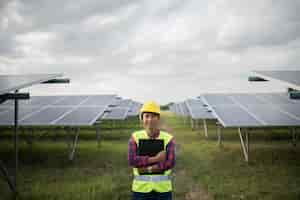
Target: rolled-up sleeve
{"x": 133, "y": 159}
{"x": 169, "y": 163}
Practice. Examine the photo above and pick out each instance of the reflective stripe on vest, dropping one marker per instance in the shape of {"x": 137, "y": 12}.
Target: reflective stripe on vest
{"x": 156, "y": 178}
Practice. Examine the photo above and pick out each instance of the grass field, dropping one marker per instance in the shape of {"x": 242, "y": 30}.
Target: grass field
{"x": 203, "y": 170}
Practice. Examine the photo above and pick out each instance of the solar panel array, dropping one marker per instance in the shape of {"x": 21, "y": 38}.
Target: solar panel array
{"x": 194, "y": 108}
{"x": 57, "y": 110}
{"x": 74, "y": 110}
{"x": 254, "y": 110}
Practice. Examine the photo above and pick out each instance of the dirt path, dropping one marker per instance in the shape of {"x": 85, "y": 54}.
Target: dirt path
{"x": 194, "y": 190}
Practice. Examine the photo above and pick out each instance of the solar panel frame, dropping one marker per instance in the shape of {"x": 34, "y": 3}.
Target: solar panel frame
{"x": 287, "y": 77}
{"x": 10, "y": 83}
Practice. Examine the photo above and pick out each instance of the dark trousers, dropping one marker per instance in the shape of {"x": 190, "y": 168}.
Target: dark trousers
{"x": 152, "y": 196}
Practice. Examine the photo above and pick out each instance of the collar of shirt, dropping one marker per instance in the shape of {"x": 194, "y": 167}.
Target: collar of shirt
{"x": 155, "y": 135}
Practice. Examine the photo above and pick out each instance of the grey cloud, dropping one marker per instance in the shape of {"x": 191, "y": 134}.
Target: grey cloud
{"x": 173, "y": 48}
{"x": 3, "y": 4}
{"x": 263, "y": 23}
{"x": 45, "y": 13}
{"x": 8, "y": 44}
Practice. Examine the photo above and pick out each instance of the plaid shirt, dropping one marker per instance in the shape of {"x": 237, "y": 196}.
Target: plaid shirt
{"x": 142, "y": 161}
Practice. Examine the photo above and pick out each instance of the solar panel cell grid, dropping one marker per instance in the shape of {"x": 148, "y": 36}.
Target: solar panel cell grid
{"x": 267, "y": 109}
{"x": 46, "y": 116}
{"x": 81, "y": 116}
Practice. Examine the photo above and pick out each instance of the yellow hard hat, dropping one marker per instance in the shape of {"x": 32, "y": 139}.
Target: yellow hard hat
{"x": 150, "y": 106}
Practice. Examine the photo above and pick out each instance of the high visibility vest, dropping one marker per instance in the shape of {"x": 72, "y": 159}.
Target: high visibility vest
{"x": 153, "y": 182}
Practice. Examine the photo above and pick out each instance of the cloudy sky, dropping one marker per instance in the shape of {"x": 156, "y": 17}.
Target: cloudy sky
{"x": 166, "y": 50}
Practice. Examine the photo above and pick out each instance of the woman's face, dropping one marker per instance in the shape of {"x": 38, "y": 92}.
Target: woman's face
{"x": 150, "y": 121}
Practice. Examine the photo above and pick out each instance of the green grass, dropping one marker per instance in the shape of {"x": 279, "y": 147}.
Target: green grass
{"x": 203, "y": 170}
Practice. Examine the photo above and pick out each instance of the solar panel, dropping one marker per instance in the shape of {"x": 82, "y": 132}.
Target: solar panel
{"x": 71, "y": 100}
{"x": 46, "y": 116}
{"x": 80, "y": 116}
{"x": 248, "y": 110}
{"x": 33, "y": 101}
{"x": 293, "y": 109}
{"x": 197, "y": 110}
{"x": 7, "y": 118}
{"x": 116, "y": 114}
{"x": 247, "y": 99}
{"x": 291, "y": 78}
{"x": 9, "y": 103}
{"x": 195, "y": 102}
{"x": 272, "y": 116}
{"x": 183, "y": 109}
{"x": 99, "y": 100}
{"x": 177, "y": 109}
{"x": 125, "y": 103}
{"x": 235, "y": 116}
{"x": 10, "y": 83}
{"x": 134, "y": 110}
{"x": 201, "y": 113}
{"x": 180, "y": 109}
{"x": 171, "y": 108}
{"x": 278, "y": 98}
{"x": 41, "y": 100}
{"x": 3, "y": 109}
{"x": 57, "y": 110}
{"x": 216, "y": 99}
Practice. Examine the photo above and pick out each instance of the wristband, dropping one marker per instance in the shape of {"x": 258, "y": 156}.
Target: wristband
{"x": 149, "y": 169}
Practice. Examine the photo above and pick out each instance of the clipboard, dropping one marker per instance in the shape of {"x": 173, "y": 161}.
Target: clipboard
{"x": 150, "y": 147}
